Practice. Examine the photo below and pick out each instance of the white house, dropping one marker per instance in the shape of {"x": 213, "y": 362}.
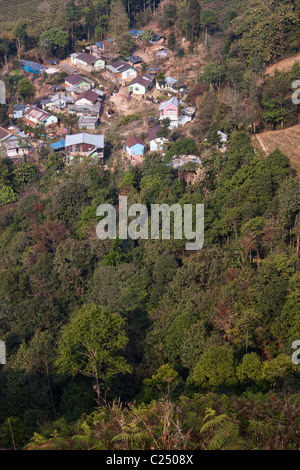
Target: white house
{"x": 87, "y": 61}
{"x": 140, "y": 85}
{"x": 122, "y": 71}
{"x": 88, "y": 97}
{"x": 156, "y": 142}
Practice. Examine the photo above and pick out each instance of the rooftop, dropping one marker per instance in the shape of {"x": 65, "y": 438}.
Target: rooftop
{"x": 83, "y": 138}
{"x": 133, "y": 141}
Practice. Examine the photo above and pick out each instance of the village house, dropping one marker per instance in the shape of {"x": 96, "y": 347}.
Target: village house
{"x": 140, "y": 85}
{"x": 171, "y": 85}
{"x": 88, "y": 122}
{"x": 74, "y": 80}
{"x": 122, "y": 71}
{"x": 187, "y": 114}
{"x": 156, "y": 143}
{"x": 58, "y": 101}
{"x": 19, "y": 111}
{"x": 84, "y": 145}
{"x": 36, "y": 117}
{"x": 169, "y": 109}
{"x": 135, "y": 61}
{"x": 17, "y": 149}
{"x": 13, "y": 146}
{"x": 85, "y": 109}
{"x": 134, "y": 148}
{"x": 88, "y": 97}
{"x": 32, "y": 67}
{"x": 87, "y": 61}
{"x": 135, "y": 33}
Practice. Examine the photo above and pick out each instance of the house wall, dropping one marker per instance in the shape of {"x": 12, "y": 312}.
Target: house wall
{"x": 50, "y": 120}
{"x": 17, "y": 114}
{"x": 82, "y": 149}
{"x": 137, "y": 89}
{"x": 84, "y": 101}
{"x": 156, "y": 145}
{"x": 129, "y": 73}
{"x": 17, "y": 152}
{"x": 136, "y": 149}
{"x": 82, "y": 85}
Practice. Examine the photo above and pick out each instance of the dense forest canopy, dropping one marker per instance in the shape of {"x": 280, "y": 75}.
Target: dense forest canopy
{"x": 138, "y": 332}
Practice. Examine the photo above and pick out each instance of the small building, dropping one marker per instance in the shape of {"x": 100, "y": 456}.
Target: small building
{"x": 85, "y": 109}
{"x": 84, "y": 145}
{"x": 156, "y": 143}
{"x": 52, "y": 71}
{"x": 19, "y": 110}
{"x": 157, "y": 40}
{"x": 134, "y": 61}
{"x": 36, "y": 117}
{"x": 87, "y": 61}
{"x": 66, "y": 68}
{"x": 80, "y": 82}
{"x": 88, "y": 122}
{"x": 171, "y": 85}
{"x": 135, "y": 33}
{"x": 88, "y": 97}
{"x": 122, "y": 71}
{"x": 16, "y": 148}
{"x": 134, "y": 148}
{"x": 32, "y": 67}
{"x": 140, "y": 85}
{"x": 169, "y": 109}
{"x": 187, "y": 115}
{"x": 58, "y": 101}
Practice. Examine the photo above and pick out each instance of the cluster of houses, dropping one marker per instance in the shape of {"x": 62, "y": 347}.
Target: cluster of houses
{"x": 79, "y": 95}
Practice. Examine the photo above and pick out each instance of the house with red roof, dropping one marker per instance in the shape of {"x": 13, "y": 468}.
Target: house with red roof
{"x": 134, "y": 148}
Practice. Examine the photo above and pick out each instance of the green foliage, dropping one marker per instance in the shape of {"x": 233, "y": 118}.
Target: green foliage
{"x": 25, "y": 89}
{"x": 25, "y": 173}
{"x": 7, "y": 195}
{"x": 90, "y": 344}
{"x": 54, "y": 43}
{"x": 215, "y": 368}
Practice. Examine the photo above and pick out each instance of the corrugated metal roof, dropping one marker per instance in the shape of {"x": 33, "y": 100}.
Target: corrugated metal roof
{"x": 83, "y": 138}
{"x": 173, "y": 100}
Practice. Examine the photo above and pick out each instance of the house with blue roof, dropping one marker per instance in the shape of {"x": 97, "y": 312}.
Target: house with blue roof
{"x": 32, "y": 67}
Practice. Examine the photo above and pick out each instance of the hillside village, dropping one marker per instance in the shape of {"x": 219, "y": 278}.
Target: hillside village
{"x": 135, "y": 339}
{"x": 95, "y": 88}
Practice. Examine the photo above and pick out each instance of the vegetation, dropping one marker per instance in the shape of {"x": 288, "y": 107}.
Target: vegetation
{"x": 141, "y": 344}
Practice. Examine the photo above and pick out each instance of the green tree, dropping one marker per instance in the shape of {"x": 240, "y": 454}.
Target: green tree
{"x": 91, "y": 343}
{"x": 25, "y": 173}
{"x": 54, "y": 43}
{"x": 215, "y": 367}
{"x": 250, "y": 369}
{"x": 7, "y": 195}
{"x": 172, "y": 41}
{"x": 25, "y": 89}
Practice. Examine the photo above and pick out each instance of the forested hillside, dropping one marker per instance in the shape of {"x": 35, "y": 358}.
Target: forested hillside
{"x": 141, "y": 344}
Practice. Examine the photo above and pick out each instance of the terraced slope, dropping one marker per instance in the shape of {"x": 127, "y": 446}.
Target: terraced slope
{"x": 13, "y": 10}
